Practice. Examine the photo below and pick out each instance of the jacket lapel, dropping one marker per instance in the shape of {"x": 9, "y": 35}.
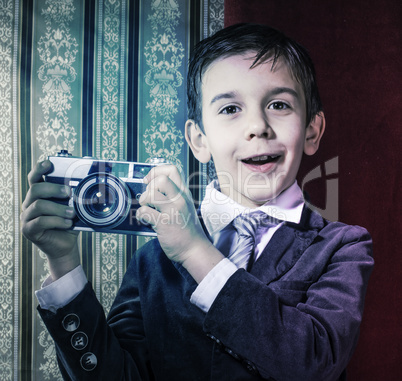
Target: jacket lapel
{"x": 286, "y": 246}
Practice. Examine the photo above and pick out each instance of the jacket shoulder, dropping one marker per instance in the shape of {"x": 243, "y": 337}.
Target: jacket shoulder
{"x": 352, "y": 238}
{"x": 313, "y": 220}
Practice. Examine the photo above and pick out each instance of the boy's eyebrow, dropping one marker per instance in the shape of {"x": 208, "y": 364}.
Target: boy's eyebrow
{"x": 218, "y": 97}
{"x": 274, "y": 91}
{"x": 281, "y": 90}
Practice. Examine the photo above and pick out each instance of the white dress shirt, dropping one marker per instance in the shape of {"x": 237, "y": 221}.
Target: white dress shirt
{"x": 218, "y": 211}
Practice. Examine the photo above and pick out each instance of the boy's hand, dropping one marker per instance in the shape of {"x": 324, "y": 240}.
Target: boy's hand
{"x": 168, "y": 207}
{"x": 47, "y": 224}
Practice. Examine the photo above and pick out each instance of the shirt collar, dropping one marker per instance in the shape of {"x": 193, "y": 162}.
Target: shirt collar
{"x": 218, "y": 210}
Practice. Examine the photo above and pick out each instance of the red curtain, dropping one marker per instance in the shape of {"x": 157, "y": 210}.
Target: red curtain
{"x": 356, "y": 47}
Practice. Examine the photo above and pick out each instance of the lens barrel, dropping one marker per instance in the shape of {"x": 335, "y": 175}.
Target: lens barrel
{"x": 102, "y": 200}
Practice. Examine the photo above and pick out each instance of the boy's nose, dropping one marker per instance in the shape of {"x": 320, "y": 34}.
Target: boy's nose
{"x": 258, "y": 126}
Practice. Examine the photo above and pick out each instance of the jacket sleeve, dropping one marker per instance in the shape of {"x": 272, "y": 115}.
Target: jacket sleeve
{"x": 87, "y": 345}
{"x": 305, "y": 325}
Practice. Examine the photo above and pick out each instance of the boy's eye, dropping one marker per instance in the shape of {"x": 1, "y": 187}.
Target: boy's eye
{"x": 278, "y": 106}
{"x": 230, "y": 110}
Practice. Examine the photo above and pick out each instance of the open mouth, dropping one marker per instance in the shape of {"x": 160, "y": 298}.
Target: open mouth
{"x": 261, "y": 160}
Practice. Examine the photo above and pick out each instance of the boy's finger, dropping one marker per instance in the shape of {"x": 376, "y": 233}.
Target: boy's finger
{"x": 47, "y": 208}
{"x": 35, "y": 228}
{"x": 152, "y": 198}
{"x": 147, "y": 215}
{"x": 169, "y": 171}
{"x": 38, "y": 171}
{"x": 44, "y": 191}
{"x": 161, "y": 191}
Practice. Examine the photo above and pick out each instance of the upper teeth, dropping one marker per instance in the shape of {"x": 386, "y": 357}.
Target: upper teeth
{"x": 259, "y": 158}
{"x": 262, "y": 158}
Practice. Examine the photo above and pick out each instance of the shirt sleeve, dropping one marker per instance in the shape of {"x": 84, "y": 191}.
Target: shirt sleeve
{"x": 206, "y": 292}
{"x": 57, "y": 294}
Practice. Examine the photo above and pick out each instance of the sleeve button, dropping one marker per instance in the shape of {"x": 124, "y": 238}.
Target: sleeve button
{"x": 89, "y": 361}
{"x": 71, "y": 322}
{"x": 79, "y": 341}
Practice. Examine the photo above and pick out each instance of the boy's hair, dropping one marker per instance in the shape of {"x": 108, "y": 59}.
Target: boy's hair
{"x": 269, "y": 45}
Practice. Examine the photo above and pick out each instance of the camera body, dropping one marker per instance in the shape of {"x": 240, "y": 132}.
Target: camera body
{"x": 105, "y": 193}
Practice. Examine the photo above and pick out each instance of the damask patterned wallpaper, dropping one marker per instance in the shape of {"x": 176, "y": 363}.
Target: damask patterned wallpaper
{"x": 104, "y": 78}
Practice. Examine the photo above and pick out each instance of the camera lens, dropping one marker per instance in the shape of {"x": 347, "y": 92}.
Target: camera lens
{"x": 102, "y": 200}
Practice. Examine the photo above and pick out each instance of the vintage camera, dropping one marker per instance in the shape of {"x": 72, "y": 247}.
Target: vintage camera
{"x": 105, "y": 193}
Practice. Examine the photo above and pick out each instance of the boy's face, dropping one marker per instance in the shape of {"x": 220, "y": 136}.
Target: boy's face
{"x": 255, "y": 128}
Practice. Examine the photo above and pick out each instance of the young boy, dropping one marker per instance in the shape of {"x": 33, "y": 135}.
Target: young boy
{"x": 195, "y": 304}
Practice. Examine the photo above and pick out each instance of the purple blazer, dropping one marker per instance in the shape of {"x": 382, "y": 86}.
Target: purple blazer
{"x": 294, "y": 316}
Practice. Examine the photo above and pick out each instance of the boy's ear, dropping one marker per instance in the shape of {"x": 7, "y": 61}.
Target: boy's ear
{"x": 314, "y": 132}
{"x": 197, "y": 141}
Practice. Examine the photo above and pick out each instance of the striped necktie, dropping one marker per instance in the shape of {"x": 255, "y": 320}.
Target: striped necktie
{"x": 246, "y": 226}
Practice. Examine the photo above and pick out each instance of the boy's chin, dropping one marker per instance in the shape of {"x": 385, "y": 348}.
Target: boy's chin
{"x": 255, "y": 199}
{"x": 256, "y": 190}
